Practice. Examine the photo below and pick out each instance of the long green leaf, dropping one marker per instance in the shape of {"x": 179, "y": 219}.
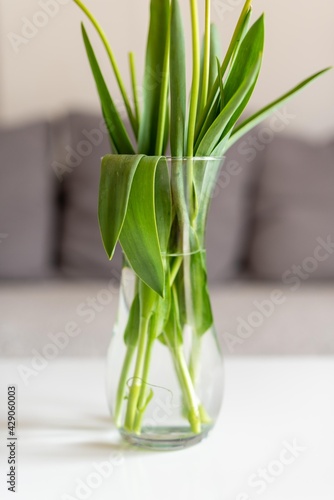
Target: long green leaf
{"x": 139, "y": 236}
{"x": 215, "y": 53}
{"x": 153, "y": 77}
{"x": 163, "y": 204}
{"x": 114, "y": 65}
{"x": 247, "y": 55}
{"x": 215, "y": 132}
{"x": 261, "y": 115}
{"x": 163, "y": 120}
{"x": 114, "y": 123}
{"x": 172, "y": 327}
{"x": 251, "y": 46}
{"x": 177, "y": 82}
{"x": 117, "y": 173}
{"x": 132, "y": 327}
{"x": 200, "y": 295}
{"x": 232, "y": 49}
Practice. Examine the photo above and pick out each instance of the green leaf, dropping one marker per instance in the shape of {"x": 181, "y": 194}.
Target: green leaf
{"x": 117, "y": 173}
{"x": 132, "y": 327}
{"x": 117, "y": 131}
{"x": 177, "y": 82}
{"x": 246, "y": 51}
{"x": 139, "y": 236}
{"x": 231, "y": 51}
{"x": 221, "y": 86}
{"x": 153, "y": 76}
{"x": 163, "y": 204}
{"x": 205, "y": 175}
{"x": 241, "y": 34}
{"x": 261, "y": 115}
{"x": 248, "y": 54}
{"x": 200, "y": 294}
{"x": 163, "y": 120}
{"x": 113, "y": 62}
{"x": 210, "y": 118}
{"x": 215, "y": 53}
{"x": 215, "y": 132}
{"x": 173, "y": 328}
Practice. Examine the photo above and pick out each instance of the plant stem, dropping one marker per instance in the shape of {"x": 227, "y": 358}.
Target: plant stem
{"x": 134, "y": 85}
{"x": 188, "y": 390}
{"x": 175, "y": 269}
{"x": 206, "y": 59}
{"x": 122, "y": 384}
{"x": 114, "y": 65}
{"x": 142, "y": 400}
{"x": 195, "y": 78}
{"x": 194, "y": 357}
{"x": 137, "y": 378}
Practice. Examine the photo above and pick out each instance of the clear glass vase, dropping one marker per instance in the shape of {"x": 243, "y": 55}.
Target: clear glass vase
{"x": 164, "y": 367}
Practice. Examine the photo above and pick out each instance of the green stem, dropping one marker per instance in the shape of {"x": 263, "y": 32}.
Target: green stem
{"x": 206, "y": 59}
{"x": 194, "y": 358}
{"x": 122, "y": 384}
{"x": 195, "y": 78}
{"x": 143, "y": 398}
{"x": 189, "y": 394}
{"x": 175, "y": 269}
{"x": 134, "y": 85}
{"x": 114, "y": 65}
{"x": 137, "y": 378}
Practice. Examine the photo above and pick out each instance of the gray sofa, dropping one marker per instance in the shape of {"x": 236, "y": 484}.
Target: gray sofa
{"x": 270, "y": 242}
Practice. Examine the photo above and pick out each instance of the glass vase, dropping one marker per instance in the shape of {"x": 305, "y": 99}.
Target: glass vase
{"x": 164, "y": 366}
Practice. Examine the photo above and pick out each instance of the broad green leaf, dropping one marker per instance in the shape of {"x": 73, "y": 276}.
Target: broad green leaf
{"x": 215, "y": 132}
{"x": 215, "y": 53}
{"x": 205, "y": 175}
{"x": 117, "y": 173}
{"x": 222, "y": 145}
{"x": 163, "y": 120}
{"x": 117, "y": 131}
{"x": 236, "y": 115}
{"x": 132, "y": 327}
{"x": 221, "y": 87}
{"x": 261, "y": 115}
{"x": 232, "y": 49}
{"x": 148, "y": 300}
{"x": 177, "y": 82}
{"x": 173, "y": 328}
{"x": 248, "y": 54}
{"x": 139, "y": 236}
{"x": 200, "y": 294}
{"x": 210, "y": 118}
{"x": 155, "y": 52}
{"x": 241, "y": 35}
{"x": 163, "y": 204}
{"x": 161, "y": 313}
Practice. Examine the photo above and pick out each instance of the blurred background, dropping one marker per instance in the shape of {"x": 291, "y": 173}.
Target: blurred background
{"x": 272, "y": 222}
{"x": 44, "y": 70}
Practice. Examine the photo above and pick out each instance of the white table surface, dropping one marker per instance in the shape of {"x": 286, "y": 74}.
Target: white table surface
{"x": 64, "y": 433}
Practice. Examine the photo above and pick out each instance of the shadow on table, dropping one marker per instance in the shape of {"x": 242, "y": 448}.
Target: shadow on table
{"x": 90, "y": 436}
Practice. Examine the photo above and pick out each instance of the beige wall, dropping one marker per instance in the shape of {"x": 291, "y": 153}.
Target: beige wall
{"x": 48, "y": 73}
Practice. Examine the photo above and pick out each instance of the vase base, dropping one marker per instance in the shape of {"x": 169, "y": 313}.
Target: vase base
{"x": 165, "y": 438}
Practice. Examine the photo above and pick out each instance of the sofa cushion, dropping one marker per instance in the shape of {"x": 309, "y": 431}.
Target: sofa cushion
{"x": 82, "y": 253}
{"x": 231, "y": 212}
{"x": 293, "y": 234}
{"x": 27, "y": 202}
